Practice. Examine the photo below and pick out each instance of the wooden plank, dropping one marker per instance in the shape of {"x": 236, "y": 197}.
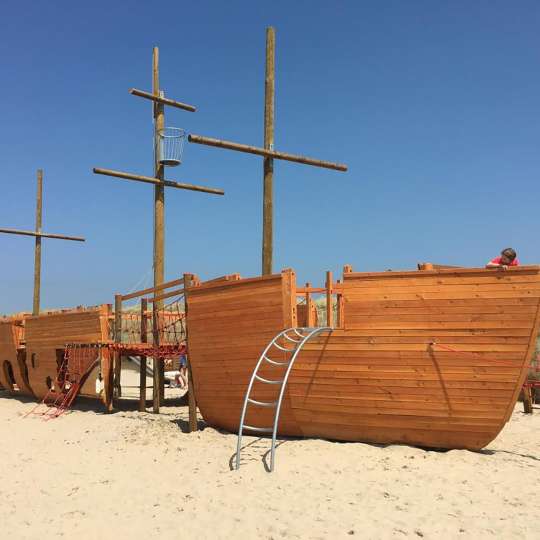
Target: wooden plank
{"x": 488, "y": 277}
{"x": 154, "y": 289}
{"x": 531, "y": 269}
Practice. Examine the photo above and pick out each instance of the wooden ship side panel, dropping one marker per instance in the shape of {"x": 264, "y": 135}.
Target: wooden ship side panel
{"x": 46, "y": 337}
{"x": 229, "y": 324}
{"x": 13, "y": 369}
{"x": 434, "y": 359}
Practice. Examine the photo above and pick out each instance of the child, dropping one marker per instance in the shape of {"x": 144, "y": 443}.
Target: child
{"x": 508, "y": 258}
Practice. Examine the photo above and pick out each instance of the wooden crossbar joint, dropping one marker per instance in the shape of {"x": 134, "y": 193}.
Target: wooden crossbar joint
{"x": 156, "y": 181}
{"x": 228, "y": 145}
{"x": 162, "y": 99}
{"x": 42, "y": 235}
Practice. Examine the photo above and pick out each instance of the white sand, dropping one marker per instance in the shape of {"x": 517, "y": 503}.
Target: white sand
{"x": 138, "y": 476}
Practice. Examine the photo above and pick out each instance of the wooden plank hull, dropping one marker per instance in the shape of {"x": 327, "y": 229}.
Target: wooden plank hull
{"x": 33, "y": 366}
{"x": 431, "y": 358}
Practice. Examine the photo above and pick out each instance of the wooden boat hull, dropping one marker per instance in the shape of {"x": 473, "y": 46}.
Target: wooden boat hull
{"x": 32, "y": 347}
{"x": 433, "y": 358}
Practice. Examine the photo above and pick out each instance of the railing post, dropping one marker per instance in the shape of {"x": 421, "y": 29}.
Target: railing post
{"x": 329, "y": 305}
{"x": 117, "y": 392}
{"x": 156, "y": 392}
{"x": 192, "y": 400}
{"x": 309, "y": 314}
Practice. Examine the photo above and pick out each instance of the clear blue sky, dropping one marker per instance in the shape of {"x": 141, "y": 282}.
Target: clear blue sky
{"x": 433, "y": 105}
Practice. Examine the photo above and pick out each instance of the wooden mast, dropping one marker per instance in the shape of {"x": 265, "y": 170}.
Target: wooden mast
{"x": 38, "y": 235}
{"x": 268, "y": 165}
{"x": 159, "y": 215}
{"x": 268, "y": 152}
{"x": 37, "y": 252}
{"x": 158, "y": 180}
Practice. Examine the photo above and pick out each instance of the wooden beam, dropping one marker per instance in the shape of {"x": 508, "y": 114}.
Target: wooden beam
{"x": 162, "y": 100}
{"x": 42, "y": 235}
{"x": 142, "y": 292}
{"x": 199, "y": 139}
{"x": 156, "y": 181}
{"x": 177, "y": 292}
{"x": 37, "y": 250}
{"x": 268, "y": 164}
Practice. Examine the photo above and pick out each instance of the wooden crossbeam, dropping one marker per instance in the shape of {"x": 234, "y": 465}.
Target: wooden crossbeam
{"x": 42, "y": 235}
{"x": 38, "y": 235}
{"x": 228, "y": 145}
{"x": 157, "y": 181}
{"x": 162, "y": 100}
{"x": 144, "y": 292}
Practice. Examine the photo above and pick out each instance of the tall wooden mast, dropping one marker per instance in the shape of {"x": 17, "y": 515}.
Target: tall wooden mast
{"x": 37, "y": 253}
{"x": 268, "y": 152}
{"x": 160, "y": 183}
{"x": 268, "y": 165}
{"x": 38, "y": 235}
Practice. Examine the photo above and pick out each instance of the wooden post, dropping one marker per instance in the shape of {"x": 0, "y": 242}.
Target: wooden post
{"x": 159, "y": 215}
{"x": 309, "y": 314}
{"x": 142, "y": 357}
{"x": 37, "y": 254}
{"x": 527, "y": 400}
{"x": 268, "y": 165}
{"x": 329, "y": 306}
{"x": 118, "y": 339}
{"x": 340, "y": 323}
{"x": 192, "y": 400}
{"x": 156, "y": 392}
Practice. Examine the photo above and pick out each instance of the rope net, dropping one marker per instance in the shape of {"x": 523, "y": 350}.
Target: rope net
{"x": 159, "y": 333}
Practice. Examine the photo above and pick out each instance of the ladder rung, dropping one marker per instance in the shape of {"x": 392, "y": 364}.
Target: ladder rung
{"x": 263, "y": 403}
{"x": 268, "y": 381}
{"x": 255, "y": 428}
{"x": 276, "y": 363}
{"x": 291, "y": 339}
{"x": 284, "y": 348}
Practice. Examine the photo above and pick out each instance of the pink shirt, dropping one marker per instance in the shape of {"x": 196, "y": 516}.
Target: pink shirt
{"x": 498, "y": 260}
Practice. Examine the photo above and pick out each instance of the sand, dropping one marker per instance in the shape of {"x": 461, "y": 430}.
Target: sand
{"x": 129, "y": 475}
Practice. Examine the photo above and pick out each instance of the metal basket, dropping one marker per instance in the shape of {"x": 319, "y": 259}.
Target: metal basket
{"x": 171, "y": 146}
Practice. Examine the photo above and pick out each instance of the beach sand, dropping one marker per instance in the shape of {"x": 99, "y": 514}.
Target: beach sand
{"x": 137, "y": 475}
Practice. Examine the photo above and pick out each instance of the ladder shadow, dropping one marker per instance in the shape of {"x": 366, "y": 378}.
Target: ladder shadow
{"x": 249, "y": 457}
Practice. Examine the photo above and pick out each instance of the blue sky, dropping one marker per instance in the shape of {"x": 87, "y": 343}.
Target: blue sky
{"x": 433, "y": 105}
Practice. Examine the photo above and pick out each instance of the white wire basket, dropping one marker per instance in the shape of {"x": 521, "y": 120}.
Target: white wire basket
{"x": 171, "y": 146}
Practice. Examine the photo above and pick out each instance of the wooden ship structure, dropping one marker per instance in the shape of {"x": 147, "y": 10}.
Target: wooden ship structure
{"x": 434, "y": 357}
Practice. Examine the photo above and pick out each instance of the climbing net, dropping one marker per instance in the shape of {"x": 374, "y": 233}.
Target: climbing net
{"x": 158, "y": 333}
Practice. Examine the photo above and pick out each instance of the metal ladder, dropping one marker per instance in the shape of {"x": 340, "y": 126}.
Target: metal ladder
{"x": 297, "y": 337}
